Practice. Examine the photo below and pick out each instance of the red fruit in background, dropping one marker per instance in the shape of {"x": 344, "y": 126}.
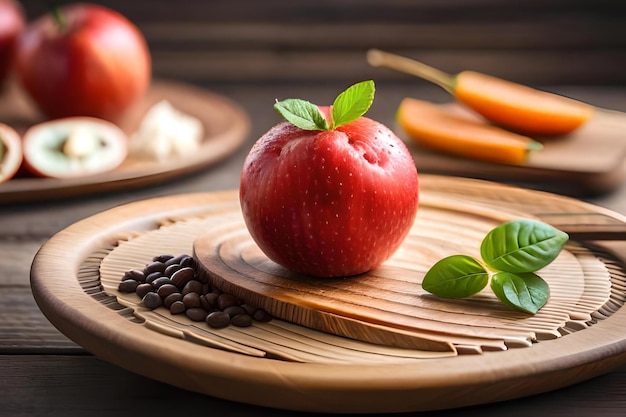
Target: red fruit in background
{"x": 93, "y": 62}
{"x": 12, "y": 23}
{"x": 332, "y": 202}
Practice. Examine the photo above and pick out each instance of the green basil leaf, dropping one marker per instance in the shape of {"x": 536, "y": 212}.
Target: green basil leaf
{"x": 353, "y": 103}
{"x": 302, "y": 114}
{"x": 456, "y": 276}
{"x": 522, "y": 245}
{"x": 526, "y": 292}
{"x": 1, "y": 151}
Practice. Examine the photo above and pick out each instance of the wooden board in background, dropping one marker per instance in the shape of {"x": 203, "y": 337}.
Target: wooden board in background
{"x": 589, "y": 161}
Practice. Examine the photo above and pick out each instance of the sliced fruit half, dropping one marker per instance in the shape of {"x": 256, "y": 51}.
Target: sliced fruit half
{"x": 74, "y": 147}
{"x": 446, "y": 129}
{"x": 10, "y": 152}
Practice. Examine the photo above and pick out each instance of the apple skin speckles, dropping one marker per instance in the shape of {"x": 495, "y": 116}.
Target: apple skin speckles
{"x": 329, "y": 203}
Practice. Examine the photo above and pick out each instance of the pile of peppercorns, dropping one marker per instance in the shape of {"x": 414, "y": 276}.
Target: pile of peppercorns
{"x": 176, "y": 283}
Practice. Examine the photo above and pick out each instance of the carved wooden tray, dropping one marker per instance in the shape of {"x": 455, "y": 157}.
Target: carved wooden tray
{"x": 454, "y": 353}
{"x": 225, "y": 123}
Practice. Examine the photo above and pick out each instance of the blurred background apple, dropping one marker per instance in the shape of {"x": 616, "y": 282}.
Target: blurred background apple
{"x": 12, "y": 21}
{"x": 83, "y": 60}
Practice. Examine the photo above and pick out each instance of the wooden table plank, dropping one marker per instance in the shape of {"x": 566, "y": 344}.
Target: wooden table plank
{"x": 24, "y": 328}
{"x": 84, "y": 385}
{"x": 18, "y": 248}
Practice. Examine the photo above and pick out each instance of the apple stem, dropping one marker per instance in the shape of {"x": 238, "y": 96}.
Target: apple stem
{"x": 59, "y": 18}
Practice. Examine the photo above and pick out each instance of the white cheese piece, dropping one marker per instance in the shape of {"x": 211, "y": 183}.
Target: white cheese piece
{"x": 165, "y": 132}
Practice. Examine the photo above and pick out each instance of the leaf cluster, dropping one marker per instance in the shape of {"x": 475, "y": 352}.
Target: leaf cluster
{"x": 351, "y": 104}
{"x": 511, "y": 255}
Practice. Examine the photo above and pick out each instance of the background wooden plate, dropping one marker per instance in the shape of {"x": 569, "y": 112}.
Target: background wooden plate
{"x": 226, "y": 125}
{"x": 589, "y": 161}
{"x": 74, "y": 277}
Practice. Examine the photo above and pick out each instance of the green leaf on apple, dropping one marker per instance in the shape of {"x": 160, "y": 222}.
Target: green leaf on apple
{"x": 302, "y": 113}
{"x": 351, "y": 104}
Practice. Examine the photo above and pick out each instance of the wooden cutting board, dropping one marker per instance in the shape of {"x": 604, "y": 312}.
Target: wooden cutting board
{"x": 587, "y": 162}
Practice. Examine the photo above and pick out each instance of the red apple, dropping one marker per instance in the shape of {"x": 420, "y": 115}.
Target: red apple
{"x": 329, "y": 203}
{"x": 91, "y": 61}
{"x": 12, "y": 23}
{"x": 73, "y": 147}
{"x": 10, "y": 152}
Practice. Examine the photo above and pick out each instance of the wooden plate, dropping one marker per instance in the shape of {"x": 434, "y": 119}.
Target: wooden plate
{"x": 589, "y": 161}
{"x": 225, "y": 123}
{"x": 279, "y": 364}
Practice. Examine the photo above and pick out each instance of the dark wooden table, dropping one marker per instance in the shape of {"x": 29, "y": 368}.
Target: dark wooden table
{"x": 44, "y": 373}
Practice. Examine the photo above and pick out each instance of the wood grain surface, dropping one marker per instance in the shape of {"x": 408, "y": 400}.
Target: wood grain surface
{"x": 588, "y": 347}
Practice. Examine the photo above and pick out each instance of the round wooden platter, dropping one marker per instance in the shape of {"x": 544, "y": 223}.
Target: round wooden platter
{"x": 225, "y": 123}
{"x": 433, "y": 353}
